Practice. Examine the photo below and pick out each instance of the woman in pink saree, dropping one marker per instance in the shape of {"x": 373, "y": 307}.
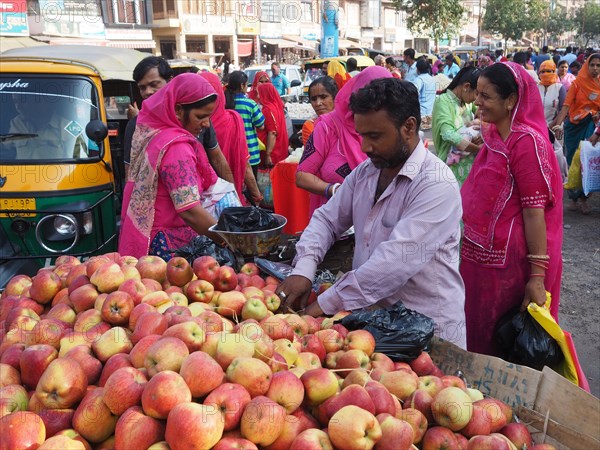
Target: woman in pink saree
{"x": 169, "y": 171}
{"x": 512, "y": 207}
{"x": 333, "y": 149}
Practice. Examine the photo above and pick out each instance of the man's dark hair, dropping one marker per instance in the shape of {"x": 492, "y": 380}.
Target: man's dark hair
{"x": 399, "y": 98}
{"x": 149, "y": 63}
{"x": 423, "y": 66}
{"x": 390, "y": 60}
{"x": 520, "y": 58}
{"x": 569, "y": 49}
{"x": 410, "y": 52}
{"x": 351, "y": 65}
{"x": 275, "y": 63}
{"x": 545, "y": 49}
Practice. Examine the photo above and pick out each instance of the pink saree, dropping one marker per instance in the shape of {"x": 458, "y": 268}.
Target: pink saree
{"x": 169, "y": 169}
{"x": 508, "y": 176}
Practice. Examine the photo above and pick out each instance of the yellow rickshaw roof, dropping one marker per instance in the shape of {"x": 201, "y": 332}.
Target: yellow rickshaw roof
{"x": 361, "y": 60}
{"x": 110, "y": 63}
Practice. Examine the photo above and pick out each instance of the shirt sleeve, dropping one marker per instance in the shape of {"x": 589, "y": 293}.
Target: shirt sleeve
{"x": 179, "y": 173}
{"x": 526, "y": 168}
{"x": 430, "y": 220}
{"x": 209, "y": 140}
{"x": 571, "y": 94}
{"x": 448, "y": 132}
{"x": 258, "y": 120}
{"x": 285, "y": 82}
{"x": 327, "y": 224}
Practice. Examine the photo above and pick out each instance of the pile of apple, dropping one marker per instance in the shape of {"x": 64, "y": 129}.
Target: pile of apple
{"x": 122, "y": 353}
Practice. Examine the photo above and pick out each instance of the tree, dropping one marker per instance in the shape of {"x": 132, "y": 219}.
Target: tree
{"x": 587, "y": 21}
{"x": 439, "y": 18}
{"x": 557, "y": 23}
{"x": 512, "y": 18}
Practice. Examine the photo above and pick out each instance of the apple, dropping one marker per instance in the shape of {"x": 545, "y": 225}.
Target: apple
{"x": 396, "y": 434}
{"x": 478, "y": 425}
{"x": 206, "y": 268}
{"x": 44, "y": 286}
{"x": 180, "y": 300}
{"x": 152, "y": 267}
{"x": 277, "y": 363}
{"x": 190, "y": 333}
{"x": 33, "y": 362}
{"x": 254, "y": 308}
{"x": 198, "y": 308}
{"x": 361, "y": 340}
{"x": 22, "y": 430}
{"x": 13, "y": 398}
{"x": 61, "y": 443}
{"x": 179, "y": 271}
{"x": 201, "y": 373}
{"x": 250, "y": 269}
{"x": 292, "y": 427}
{"x": 135, "y": 430}
{"x": 452, "y": 408}
{"x": 138, "y": 352}
{"x": 9, "y": 374}
{"x": 230, "y": 303}
{"x": 137, "y": 312}
{"x": 91, "y": 324}
{"x": 135, "y": 288}
{"x": 163, "y": 392}
{"x": 91, "y": 366}
{"x": 62, "y": 312}
{"x": 331, "y": 339}
{"x": 117, "y": 307}
{"x": 231, "y": 443}
{"x": 352, "y": 359}
{"x": 312, "y": 343}
{"x": 422, "y": 365}
{"x": 17, "y": 284}
{"x": 308, "y": 361}
{"x": 62, "y": 384}
{"x": 93, "y": 420}
{"x": 351, "y": 395}
{"x": 319, "y": 385}
{"x": 159, "y": 299}
{"x": 262, "y": 421}
{"x": 148, "y": 323}
{"x": 451, "y": 380}
{"x": 475, "y": 394}
{"x": 151, "y": 285}
{"x": 108, "y": 277}
{"x": 439, "y": 438}
{"x": 354, "y": 428}
{"x": 400, "y": 383}
{"x": 287, "y": 390}
{"x": 49, "y": 331}
{"x": 422, "y": 401}
{"x": 226, "y": 279}
{"x": 254, "y": 374}
{"x": 113, "y": 364}
{"x": 84, "y": 297}
{"x": 430, "y": 384}
{"x": 230, "y": 400}
{"x": 312, "y": 439}
{"x": 165, "y": 354}
{"x": 54, "y": 420}
{"x": 71, "y": 433}
{"x": 123, "y": 389}
{"x": 191, "y": 426}
{"x": 113, "y": 341}
{"x": 272, "y": 300}
{"x": 416, "y": 420}
{"x": 230, "y": 346}
{"x": 210, "y": 321}
{"x": 495, "y": 412}
{"x": 518, "y": 434}
{"x": 492, "y": 441}
{"x": 286, "y": 349}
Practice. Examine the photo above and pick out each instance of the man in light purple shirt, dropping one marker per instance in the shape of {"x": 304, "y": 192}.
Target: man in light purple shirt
{"x": 405, "y": 206}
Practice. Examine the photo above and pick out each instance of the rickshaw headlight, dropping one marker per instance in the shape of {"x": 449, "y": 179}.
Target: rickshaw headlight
{"x": 65, "y": 225}
{"x": 88, "y": 223}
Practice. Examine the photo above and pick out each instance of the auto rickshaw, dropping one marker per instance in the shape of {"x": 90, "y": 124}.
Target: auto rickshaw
{"x": 313, "y": 68}
{"x": 61, "y": 164}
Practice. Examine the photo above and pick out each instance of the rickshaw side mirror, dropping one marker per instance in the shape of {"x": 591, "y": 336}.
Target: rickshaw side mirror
{"x": 97, "y": 131}
{"x": 295, "y": 83}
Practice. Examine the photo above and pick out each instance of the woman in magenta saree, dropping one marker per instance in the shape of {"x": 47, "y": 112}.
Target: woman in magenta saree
{"x": 162, "y": 201}
{"x": 512, "y": 207}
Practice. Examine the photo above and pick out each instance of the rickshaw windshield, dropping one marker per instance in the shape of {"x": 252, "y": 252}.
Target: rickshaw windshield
{"x": 44, "y": 119}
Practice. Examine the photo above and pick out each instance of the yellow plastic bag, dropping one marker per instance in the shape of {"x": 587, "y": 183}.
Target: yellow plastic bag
{"x": 569, "y": 368}
{"x": 262, "y": 147}
{"x": 574, "y": 180}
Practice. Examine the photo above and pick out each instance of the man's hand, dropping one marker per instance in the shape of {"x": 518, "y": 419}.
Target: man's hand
{"x": 294, "y": 292}
{"x": 132, "y": 111}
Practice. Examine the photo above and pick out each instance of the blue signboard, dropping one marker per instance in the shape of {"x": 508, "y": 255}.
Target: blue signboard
{"x": 13, "y": 18}
{"x": 329, "y": 29}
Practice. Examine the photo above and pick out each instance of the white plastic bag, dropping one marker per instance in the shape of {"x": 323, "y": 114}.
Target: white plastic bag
{"x": 590, "y": 167}
{"x": 562, "y": 161}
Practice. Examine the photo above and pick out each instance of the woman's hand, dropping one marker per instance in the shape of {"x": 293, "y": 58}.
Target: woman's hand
{"x": 478, "y": 140}
{"x": 594, "y": 138}
{"x": 535, "y": 292}
{"x": 268, "y": 161}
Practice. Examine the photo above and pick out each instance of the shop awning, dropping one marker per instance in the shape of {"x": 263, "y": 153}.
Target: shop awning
{"x": 281, "y": 43}
{"x": 302, "y": 44}
{"x": 132, "y": 44}
{"x": 245, "y": 48}
{"x": 8, "y": 43}
{"x": 345, "y": 43}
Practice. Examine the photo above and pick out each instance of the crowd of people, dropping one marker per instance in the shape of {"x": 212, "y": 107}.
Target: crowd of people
{"x": 463, "y": 236}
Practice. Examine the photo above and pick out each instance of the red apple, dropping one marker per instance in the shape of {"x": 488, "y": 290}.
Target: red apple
{"x": 226, "y": 279}
{"x": 206, "y": 268}
{"x": 400, "y": 383}
{"x": 254, "y": 374}
{"x": 149, "y": 323}
{"x": 416, "y": 420}
{"x": 113, "y": 341}
{"x": 137, "y": 431}
{"x": 123, "y": 389}
{"x": 91, "y": 366}
{"x": 84, "y": 297}
{"x": 231, "y": 400}
{"x": 478, "y": 425}
{"x": 113, "y": 364}
{"x": 179, "y": 271}
{"x": 422, "y": 365}
{"x": 495, "y": 412}
{"x": 287, "y": 390}
{"x": 430, "y": 384}
{"x": 492, "y": 441}
{"x": 190, "y": 333}
{"x": 439, "y": 438}
{"x": 201, "y": 373}
{"x": 135, "y": 288}
{"x": 191, "y": 426}
{"x": 152, "y": 267}
{"x": 250, "y": 269}
{"x": 452, "y": 408}
{"x": 163, "y": 392}
{"x": 451, "y": 380}
{"x": 319, "y": 385}
{"x": 422, "y": 401}
{"x": 361, "y": 340}
{"x": 138, "y": 352}
{"x": 351, "y": 395}
{"x": 62, "y": 384}
{"x": 354, "y": 428}
{"x": 44, "y": 286}
{"x": 232, "y": 443}
{"x": 16, "y": 285}
{"x": 93, "y": 420}
{"x": 117, "y": 308}
{"x": 262, "y": 421}
{"x": 396, "y": 434}
{"x": 382, "y": 361}
{"x": 34, "y": 361}
{"x": 230, "y": 303}
{"x": 312, "y": 439}
{"x": 22, "y": 430}
{"x": 13, "y": 398}
{"x": 9, "y": 374}
{"x": 165, "y": 354}
{"x": 382, "y": 399}
{"x": 518, "y": 434}
{"x": 108, "y": 277}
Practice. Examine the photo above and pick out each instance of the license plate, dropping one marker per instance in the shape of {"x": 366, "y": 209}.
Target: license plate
{"x": 19, "y": 204}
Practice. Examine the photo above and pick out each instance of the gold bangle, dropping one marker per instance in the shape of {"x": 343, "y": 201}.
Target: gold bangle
{"x": 539, "y": 257}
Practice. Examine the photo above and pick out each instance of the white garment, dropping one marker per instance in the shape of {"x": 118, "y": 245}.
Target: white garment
{"x": 550, "y": 100}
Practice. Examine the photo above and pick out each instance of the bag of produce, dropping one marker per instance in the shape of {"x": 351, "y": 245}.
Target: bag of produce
{"x": 204, "y": 246}
{"x": 522, "y": 340}
{"x": 399, "y": 332}
{"x": 246, "y": 219}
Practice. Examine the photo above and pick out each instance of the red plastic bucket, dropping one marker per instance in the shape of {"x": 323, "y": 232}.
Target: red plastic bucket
{"x": 288, "y": 200}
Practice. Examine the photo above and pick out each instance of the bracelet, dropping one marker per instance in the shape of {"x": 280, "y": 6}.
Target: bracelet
{"x": 327, "y": 194}
{"x": 335, "y": 188}
{"x": 539, "y": 264}
{"x": 558, "y": 127}
{"x": 540, "y": 257}
{"x": 537, "y": 275}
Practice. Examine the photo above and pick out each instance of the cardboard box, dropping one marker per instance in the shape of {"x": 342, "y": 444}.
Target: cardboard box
{"x": 556, "y": 411}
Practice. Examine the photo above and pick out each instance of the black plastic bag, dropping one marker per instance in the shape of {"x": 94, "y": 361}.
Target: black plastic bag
{"x": 399, "y": 332}
{"x": 522, "y": 340}
{"x": 281, "y": 271}
{"x": 245, "y": 219}
{"x": 204, "y": 246}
